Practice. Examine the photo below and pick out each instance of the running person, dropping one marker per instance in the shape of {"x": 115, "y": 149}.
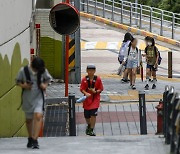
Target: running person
{"x": 122, "y": 53}
{"x": 152, "y": 57}
{"x": 33, "y": 80}
{"x": 132, "y": 62}
{"x": 91, "y": 86}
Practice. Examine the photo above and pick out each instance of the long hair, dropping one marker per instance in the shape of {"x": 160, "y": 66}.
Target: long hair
{"x": 127, "y": 37}
{"x": 152, "y": 41}
{"x": 39, "y": 66}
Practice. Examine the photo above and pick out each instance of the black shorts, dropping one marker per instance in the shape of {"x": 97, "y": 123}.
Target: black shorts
{"x": 151, "y": 67}
{"x": 89, "y": 113}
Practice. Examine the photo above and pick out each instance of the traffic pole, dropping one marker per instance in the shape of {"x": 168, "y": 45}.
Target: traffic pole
{"x": 67, "y": 63}
{"x": 67, "y": 66}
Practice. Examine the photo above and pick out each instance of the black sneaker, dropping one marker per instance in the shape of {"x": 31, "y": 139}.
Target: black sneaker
{"x": 88, "y": 130}
{"x": 146, "y": 87}
{"x": 150, "y": 80}
{"x": 30, "y": 142}
{"x": 91, "y": 132}
{"x": 35, "y": 144}
{"x": 153, "y": 86}
{"x": 124, "y": 81}
{"x": 133, "y": 87}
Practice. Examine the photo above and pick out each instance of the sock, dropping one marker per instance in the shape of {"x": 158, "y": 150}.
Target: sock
{"x": 154, "y": 81}
{"x": 147, "y": 80}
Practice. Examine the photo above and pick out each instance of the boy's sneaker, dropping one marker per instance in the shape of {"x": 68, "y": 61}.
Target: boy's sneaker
{"x": 133, "y": 87}
{"x": 92, "y": 133}
{"x": 153, "y": 86}
{"x": 146, "y": 87}
{"x": 30, "y": 142}
{"x": 35, "y": 144}
{"x": 88, "y": 130}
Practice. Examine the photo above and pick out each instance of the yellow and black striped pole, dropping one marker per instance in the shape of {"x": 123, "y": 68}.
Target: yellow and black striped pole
{"x": 71, "y": 54}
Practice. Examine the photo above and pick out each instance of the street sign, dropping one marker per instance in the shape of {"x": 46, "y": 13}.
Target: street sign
{"x": 64, "y": 19}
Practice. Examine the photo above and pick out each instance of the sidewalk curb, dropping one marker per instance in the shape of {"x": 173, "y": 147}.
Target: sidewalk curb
{"x": 130, "y": 29}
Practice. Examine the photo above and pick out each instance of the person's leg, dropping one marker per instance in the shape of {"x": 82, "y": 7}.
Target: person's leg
{"x": 87, "y": 117}
{"x": 29, "y": 123}
{"x": 134, "y": 71}
{"x": 125, "y": 75}
{"x": 88, "y": 121}
{"x": 154, "y": 79}
{"x": 93, "y": 122}
{"x": 148, "y": 73}
{"x": 130, "y": 75}
{"x": 37, "y": 121}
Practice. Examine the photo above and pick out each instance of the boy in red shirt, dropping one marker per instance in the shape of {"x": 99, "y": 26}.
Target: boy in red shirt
{"x": 91, "y": 87}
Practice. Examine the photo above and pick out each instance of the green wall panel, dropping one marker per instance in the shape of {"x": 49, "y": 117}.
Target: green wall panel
{"x": 17, "y": 116}
{"x": 11, "y": 119}
{"x": 51, "y": 52}
{"x": 5, "y": 116}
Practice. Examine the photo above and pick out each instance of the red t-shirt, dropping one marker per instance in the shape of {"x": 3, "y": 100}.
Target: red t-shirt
{"x": 93, "y": 101}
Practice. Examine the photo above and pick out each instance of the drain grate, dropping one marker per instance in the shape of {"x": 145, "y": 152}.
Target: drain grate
{"x": 56, "y": 118}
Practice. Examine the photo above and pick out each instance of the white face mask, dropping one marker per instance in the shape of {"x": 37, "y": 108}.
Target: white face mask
{"x": 149, "y": 43}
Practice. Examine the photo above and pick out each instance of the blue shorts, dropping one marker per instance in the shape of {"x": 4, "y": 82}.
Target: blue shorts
{"x": 151, "y": 67}
{"x": 132, "y": 64}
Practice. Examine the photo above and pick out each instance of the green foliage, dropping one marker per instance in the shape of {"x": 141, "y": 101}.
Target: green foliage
{"x": 169, "y": 5}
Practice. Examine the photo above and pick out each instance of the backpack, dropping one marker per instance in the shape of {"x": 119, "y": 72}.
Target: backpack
{"x": 91, "y": 85}
{"x": 93, "y": 82}
{"x": 122, "y": 49}
{"x": 159, "y": 54}
{"x": 28, "y": 80}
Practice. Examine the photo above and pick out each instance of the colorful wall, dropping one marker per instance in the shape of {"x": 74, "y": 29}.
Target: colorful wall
{"x": 50, "y": 45}
{"x": 14, "y": 53}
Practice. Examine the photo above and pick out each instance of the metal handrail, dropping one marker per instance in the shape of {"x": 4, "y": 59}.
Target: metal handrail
{"x": 134, "y": 15}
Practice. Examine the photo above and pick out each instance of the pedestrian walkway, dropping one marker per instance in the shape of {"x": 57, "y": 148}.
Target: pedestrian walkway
{"x": 118, "y": 119}
{"x": 130, "y": 144}
{"x": 117, "y": 92}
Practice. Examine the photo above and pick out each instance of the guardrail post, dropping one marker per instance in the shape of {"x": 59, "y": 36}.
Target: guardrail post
{"x": 142, "y": 113}
{"x": 162, "y": 20}
{"x": 173, "y": 22}
{"x": 122, "y": 7}
{"x": 150, "y": 22}
{"x": 170, "y": 64}
{"x": 174, "y": 114}
{"x": 87, "y": 6}
{"x": 72, "y": 115}
{"x": 136, "y": 12}
{"x": 131, "y": 14}
{"x": 112, "y": 10}
{"x": 95, "y": 8}
{"x": 165, "y": 108}
{"x": 83, "y": 5}
{"x": 140, "y": 18}
{"x": 168, "y": 109}
{"x": 104, "y": 8}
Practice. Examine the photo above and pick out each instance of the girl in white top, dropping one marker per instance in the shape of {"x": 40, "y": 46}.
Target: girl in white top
{"x": 132, "y": 60}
